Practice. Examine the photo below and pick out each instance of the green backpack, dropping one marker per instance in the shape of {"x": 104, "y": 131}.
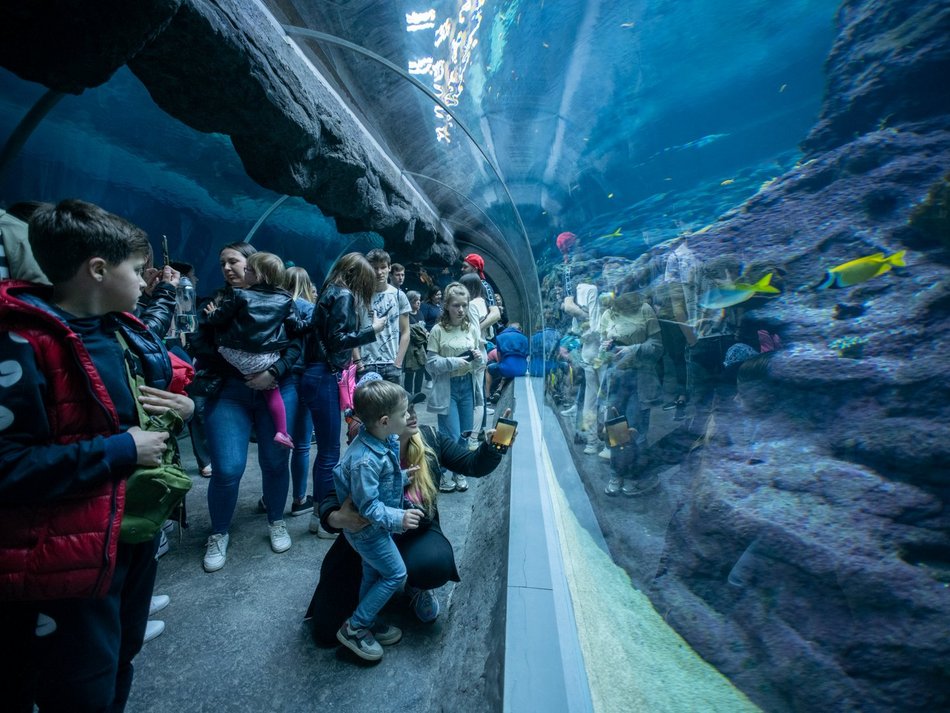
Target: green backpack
{"x": 152, "y": 493}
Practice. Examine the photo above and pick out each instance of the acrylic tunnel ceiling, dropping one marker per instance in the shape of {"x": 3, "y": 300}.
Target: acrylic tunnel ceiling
{"x": 588, "y": 116}
{"x": 501, "y": 124}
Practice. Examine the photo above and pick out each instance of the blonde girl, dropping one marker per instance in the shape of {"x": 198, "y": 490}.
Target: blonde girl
{"x": 453, "y": 357}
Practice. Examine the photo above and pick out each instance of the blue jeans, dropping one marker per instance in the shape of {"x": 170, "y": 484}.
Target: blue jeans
{"x": 300, "y": 425}
{"x": 230, "y": 416}
{"x": 384, "y": 573}
{"x": 320, "y": 392}
{"x": 459, "y": 418}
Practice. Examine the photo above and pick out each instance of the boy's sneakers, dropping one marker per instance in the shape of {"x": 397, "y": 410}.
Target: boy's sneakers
{"x": 360, "y": 641}
{"x": 446, "y": 483}
{"x": 279, "y": 537}
{"x": 159, "y": 602}
{"x": 614, "y": 485}
{"x": 316, "y": 527}
{"x": 424, "y": 604}
{"x": 282, "y": 439}
{"x": 297, "y": 509}
{"x": 153, "y": 629}
{"x": 386, "y": 634}
{"x": 461, "y": 483}
{"x": 217, "y": 553}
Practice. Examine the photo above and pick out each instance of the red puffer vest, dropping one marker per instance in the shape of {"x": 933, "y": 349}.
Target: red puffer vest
{"x": 64, "y": 548}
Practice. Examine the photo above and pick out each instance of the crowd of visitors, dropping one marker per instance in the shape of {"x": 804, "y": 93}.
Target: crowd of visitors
{"x": 264, "y": 359}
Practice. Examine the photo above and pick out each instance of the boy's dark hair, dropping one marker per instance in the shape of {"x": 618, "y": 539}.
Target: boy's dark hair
{"x": 376, "y": 399}
{"x": 378, "y": 256}
{"x": 396, "y": 267}
{"x": 64, "y": 236}
{"x": 25, "y": 209}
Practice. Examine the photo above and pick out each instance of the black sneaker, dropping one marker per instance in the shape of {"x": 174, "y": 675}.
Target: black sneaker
{"x": 360, "y": 641}
{"x": 302, "y": 508}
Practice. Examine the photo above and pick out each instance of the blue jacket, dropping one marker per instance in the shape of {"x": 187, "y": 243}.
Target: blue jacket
{"x": 512, "y": 347}
{"x": 369, "y": 473}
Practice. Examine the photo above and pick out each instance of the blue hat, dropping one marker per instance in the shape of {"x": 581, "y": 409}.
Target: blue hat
{"x": 738, "y": 353}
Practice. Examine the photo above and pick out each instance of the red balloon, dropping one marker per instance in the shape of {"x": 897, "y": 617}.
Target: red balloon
{"x": 565, "y": 241}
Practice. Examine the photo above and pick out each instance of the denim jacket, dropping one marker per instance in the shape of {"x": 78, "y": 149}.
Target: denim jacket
{"x": 369, "y": 473}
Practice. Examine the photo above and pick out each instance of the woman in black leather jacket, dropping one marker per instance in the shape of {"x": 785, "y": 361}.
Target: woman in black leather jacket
{"x": 235, "y": 405}
{"x": 333, "y": 338}
{"x": 427, "y": 553}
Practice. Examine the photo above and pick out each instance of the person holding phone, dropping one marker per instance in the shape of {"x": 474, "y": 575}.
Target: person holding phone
{"x": 454, "y": 360}
{"x": 426, "y": 552}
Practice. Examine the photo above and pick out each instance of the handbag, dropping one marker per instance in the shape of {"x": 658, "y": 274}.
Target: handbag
{"x": 346, "y": 383}
{"x": 206, "y": 384}
{"x": 152, "y": 493}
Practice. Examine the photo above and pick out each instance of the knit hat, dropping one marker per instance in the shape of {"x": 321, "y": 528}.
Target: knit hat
{"x": 477, "y": 262}
{"x": 367, "y": 378}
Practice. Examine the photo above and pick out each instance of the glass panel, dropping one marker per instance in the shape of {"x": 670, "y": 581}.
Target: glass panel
{"x": 111, "y": 145}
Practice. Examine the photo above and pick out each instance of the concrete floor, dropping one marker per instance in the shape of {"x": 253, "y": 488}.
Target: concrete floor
{"x": 235, "y": 639}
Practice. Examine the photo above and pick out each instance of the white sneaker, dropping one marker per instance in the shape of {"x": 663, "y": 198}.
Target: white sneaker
{"x": 446, "y": 483}
{"x": 614, "y": 485}
{"x": 217, "y": 552}
{"x": 605, "y": 453}
{"x": 570, "y": 411}
{"x": 316, "y": 527}
{"x": 591, "y": 449}
{"x": 159, "y": 602}
{"x": 461, "y": 483}
{"x": 279, "y": 537}
{"x": 153, "y": 629}
{"x": 473, "y": 443}
{"x": 490, "y": 411}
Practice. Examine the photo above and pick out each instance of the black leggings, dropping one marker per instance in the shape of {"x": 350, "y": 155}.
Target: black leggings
{"x": 429, "y": 561}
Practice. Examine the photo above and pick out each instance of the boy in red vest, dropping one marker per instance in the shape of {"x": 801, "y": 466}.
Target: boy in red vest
{"x": 73, "y": 600}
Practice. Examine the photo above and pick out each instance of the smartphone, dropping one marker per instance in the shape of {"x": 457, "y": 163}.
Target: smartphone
{"x": 504, "y": 432}
{"x": 165, "y": 254}
{"x": 468, "y": 356}
{"x": 618, "y": 432}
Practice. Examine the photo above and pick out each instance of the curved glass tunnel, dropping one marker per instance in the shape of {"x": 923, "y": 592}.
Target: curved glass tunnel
{"x": 722, "y": 226}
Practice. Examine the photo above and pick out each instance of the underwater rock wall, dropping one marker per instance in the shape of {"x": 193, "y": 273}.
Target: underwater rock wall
{"x": 811, "y": 560}
{"x": 225, "y": 67}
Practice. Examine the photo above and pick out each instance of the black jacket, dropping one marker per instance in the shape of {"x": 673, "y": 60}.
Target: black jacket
{"x": 158, "y": 310}
{"x": 258, "y": 319}
{"x": 335, "y": 327}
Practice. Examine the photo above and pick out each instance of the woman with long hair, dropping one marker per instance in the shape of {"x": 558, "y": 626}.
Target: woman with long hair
{"x": 454, "y": 353}
{"x": 337, "y": 329}
{"x": 426, "y": 552}
{"x": 237, "y": 405}
{"x": 297, "y": 282}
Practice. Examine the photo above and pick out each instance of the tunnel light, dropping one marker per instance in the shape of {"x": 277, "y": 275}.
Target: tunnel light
{"x": 455, "y": 38}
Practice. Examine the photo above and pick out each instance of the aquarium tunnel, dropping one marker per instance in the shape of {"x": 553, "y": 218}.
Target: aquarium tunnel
{"x": 723, "y": 230}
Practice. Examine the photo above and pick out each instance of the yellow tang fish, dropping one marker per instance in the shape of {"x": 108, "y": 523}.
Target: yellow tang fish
{"x": 729, "y": 295}
{"x": 728, "y": 182}
{"x": 861, "y": 270}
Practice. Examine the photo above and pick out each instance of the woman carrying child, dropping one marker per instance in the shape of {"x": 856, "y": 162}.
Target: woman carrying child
{"x": 252, "y": 325}
{"x": 237, "y": 406}
{"x": 370, "y": 475}
{"x": 455, "y": 355}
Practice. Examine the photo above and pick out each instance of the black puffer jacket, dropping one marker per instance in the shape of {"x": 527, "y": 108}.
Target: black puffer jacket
{"x": 335, "y": 327}
{"x": 257, "y": 319}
